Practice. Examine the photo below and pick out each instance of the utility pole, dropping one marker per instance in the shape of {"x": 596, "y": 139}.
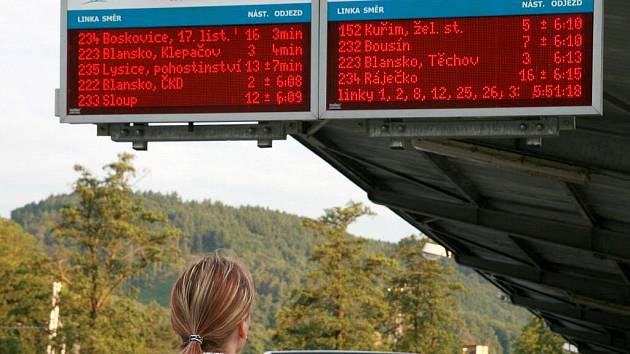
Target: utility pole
{"x": 53, "y": 323}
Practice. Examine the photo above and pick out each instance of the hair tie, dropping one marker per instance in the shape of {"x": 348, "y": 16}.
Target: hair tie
{"x": 195, "y": 338}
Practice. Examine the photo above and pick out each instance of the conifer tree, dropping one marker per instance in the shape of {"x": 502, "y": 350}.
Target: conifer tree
{"x": 342, "y": 305}
{"x": 107, "y": 237}
{"x": 424, "y": 302}
{"x": 536, "y": 338}
{"x": 25, "y": 290}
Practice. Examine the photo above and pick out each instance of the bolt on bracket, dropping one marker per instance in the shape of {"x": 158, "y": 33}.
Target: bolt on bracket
{"x": 459, "y": 128}
{"x": 141, "y": 134}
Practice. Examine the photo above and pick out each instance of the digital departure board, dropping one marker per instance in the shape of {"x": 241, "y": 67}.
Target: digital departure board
{"x": 450, "y": 58}
{"x": 183, "y": 61}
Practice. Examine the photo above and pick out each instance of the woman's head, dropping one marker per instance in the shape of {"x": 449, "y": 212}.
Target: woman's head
{"x": 212, "y": 299}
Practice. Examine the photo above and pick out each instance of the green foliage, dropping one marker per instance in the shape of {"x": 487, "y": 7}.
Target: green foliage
{"x": 487, "y": 320}
{"x": 126, "y": 326}
{"x": 12, "y": 345}
{"x": 536, "y": 338}
{"x": 273, "y": 245}
{"x": 105, "y": 239}
{"x": 277, "y": 250}
{"x": 25, "y": 290}
{"x": 342, "y": 305}
{"x": 423, "y": 297}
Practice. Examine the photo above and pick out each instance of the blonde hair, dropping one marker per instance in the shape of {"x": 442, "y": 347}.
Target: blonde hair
{"x": 211, "y": 299}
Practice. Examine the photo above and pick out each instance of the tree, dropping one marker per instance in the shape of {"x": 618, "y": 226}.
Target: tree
{"x": 277, "y": 251}
{"x": 104, "y": 240}
{"x": 342, "y": 305}
{"x": 127, "y": 326}
{"x": 536, "y": 338}
{"x": 423, "y": 297}
{"x": 25, "y": 290}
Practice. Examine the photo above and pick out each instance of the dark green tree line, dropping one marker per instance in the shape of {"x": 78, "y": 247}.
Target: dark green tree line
{"x": 342, "y": 305}
{"x": 536, "y": 338}
{"x": 424, "y": 302}
{"x": 353, "y": 300}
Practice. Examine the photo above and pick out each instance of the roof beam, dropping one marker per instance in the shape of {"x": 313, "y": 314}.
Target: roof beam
{"x": 449, "y": 243}
{"x": 534, "y": 258}
{"x": 522, "y": 162}
{"x": 503, "y": 159}
{"x": 619, "y": 102}
{"x": 606, "y": 319}
{"x": 454, "y": 175}
{"x": 410, "y": 179}
{"x": 597, "y": 240}
{"x": 452, "y": 238}
{"x": 624, "y": 269}
{"x": 579, "y": 200}
{"x": 608, "y": 341}
{"x": 616, "y": 320}
{"x": 579, "y": 285}
{"x": 586, "y": 348}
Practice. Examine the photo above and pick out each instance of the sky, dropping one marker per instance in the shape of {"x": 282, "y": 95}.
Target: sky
{"x": 37, "y": 153}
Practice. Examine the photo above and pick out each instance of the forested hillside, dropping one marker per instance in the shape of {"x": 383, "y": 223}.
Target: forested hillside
{"x": 277, "y": 249}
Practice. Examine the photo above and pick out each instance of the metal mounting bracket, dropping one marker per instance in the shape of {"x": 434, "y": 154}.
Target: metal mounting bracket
{"x": 466, "y": 128}
{"x": 57, "y": 103}
{"x": 141, "y": 134}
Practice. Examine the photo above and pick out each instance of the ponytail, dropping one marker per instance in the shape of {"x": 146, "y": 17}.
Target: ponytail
{"x": 192, "y": 347}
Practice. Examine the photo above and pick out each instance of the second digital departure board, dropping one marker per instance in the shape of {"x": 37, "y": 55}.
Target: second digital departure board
{"x": 410, "y": 58}
{"x": 163, "y": 60}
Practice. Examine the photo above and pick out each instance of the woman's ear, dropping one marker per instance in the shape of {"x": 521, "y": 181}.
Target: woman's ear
{"x": 243, "y": 328}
